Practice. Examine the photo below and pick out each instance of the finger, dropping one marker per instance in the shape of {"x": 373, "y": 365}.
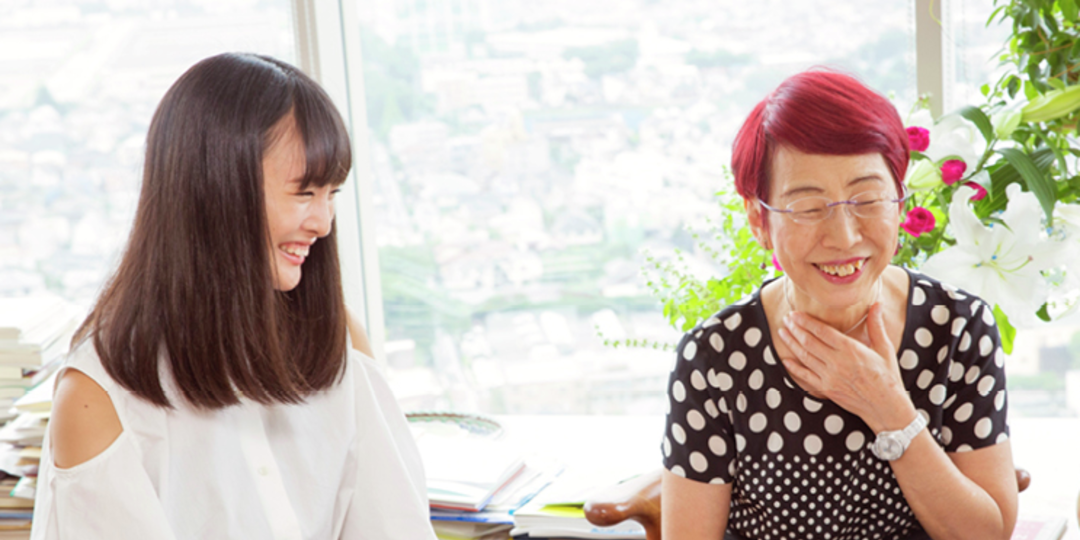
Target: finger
{"x": 797, "y": 346}
{"x": 828, "y": 335}
{"x": 805, "y": 375}
{"x": 813, "y": 344}
{"x": 879, "y": 336}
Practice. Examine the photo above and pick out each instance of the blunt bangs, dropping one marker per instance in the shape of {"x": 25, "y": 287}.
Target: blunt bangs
{"x": 326, "y": 142}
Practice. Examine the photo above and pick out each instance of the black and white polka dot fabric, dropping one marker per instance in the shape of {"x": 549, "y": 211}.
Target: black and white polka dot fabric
{"x": 802, "y": 467}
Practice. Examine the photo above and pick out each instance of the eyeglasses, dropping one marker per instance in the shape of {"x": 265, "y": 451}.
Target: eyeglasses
{"x": 813, "y": 210}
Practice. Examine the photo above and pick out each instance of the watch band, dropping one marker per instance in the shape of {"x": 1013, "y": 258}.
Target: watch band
{"x": 891, "y": 445}
{"x": 913, "y": 429}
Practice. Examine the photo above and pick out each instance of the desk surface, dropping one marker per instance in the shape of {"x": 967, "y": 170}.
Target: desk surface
{"x": 1049, "y": 448}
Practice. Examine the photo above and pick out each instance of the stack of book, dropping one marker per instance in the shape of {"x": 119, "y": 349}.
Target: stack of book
{"x": 475, "y": 477}
{"x": 34, "y": 337}
{"x": 558, "y": 511}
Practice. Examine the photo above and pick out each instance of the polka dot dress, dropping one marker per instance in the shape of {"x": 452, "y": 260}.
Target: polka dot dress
{"x": 802, "y": 467}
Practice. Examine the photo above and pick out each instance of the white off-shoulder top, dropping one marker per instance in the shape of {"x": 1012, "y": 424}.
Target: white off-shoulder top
{"x": 341, "y": 465}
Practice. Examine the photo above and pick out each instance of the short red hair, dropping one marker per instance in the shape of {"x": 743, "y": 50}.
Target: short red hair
{"x": 818, "y": 112}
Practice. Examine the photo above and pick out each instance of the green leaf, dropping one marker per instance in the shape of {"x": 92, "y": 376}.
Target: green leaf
{"x": 1037, "y": 182}
{"x": 979, "y": 118}
{"x": 1030, "y": 91}
{"x": 985, "y": 89}
{"x": 1005, "y": 330}
{"x": 1043, "y": 314}
{"x": 1057, "y": 83}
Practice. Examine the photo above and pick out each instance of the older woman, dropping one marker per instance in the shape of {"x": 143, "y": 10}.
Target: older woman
{"x": 848, "y": 398}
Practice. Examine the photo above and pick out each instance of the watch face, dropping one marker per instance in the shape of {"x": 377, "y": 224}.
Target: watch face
{"x": 887, "y": 447}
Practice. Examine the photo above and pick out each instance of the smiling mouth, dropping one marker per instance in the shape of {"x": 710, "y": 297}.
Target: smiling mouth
{"x": 296, "y": 250}
{"x": 841, "y": 270}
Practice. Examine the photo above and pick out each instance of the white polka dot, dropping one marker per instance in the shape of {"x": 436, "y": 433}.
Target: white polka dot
{"x": 722, "y": 404}
{"x": 758, "y": 422}
{"x": 834, "y": 424}
{"x": 740, "y": 443}
{"x": 942, "y": 354}
{"x": 711, "y": 378}
{"x": 776, "y": 442}
{"x": 740, "y": 402}
{"x": 757, "y": 379}
{"x": 965, "y": 342}
{"x": 948, "y": 402}
{"x": 717, "y": 342}
{"x": 937, "y": 394}
{"x": 697, "y": 380}
{"x": 972, "y": 374}
{"x": 999, "y": 399}
{"x": 811, "y": 405}
{"x": 667, "y": 446}
{"x": 946, "y": 435}
{"x": 737, "y": 360}
{"x": 717, "y": 445}
{"x": 983, "y": 427}
{"x": 988, "y": 316}
{"x": 792, "y": 421}
{"x": 733, "y": 321}
{"x": 924, "y": 380}
{"x": 698, "y": 461}
{"x": 1002, "y": 437}
{"x": 964, "y": 448}
{"x": 999, "y": 358}
{"x": 689, "y": 350}
{"x": 772, "y": 398}
{"x": 956, "y": 371}
{"x": 711, "y": 321}
{"x": 732, "y": 468}
{"x": 678, "y": 471}
{"x": 918, "y": 296}
{"x": 986, "y": 346}
{"x": 855, "y": 441}
{"x": 958, "y": 325}
{"x": 812, "y": 444}
{"x": 752, "y": 337}
{"x": 711, "y": 409}
{"x": 924, "y": 338}
{"x": 908, "y": 359}
{"x": 940, "y": 315}
{"x": 963, "y": 412}
{"x": 768, "y": 356}
{"x": 678, "y": 391}
{"x": 678, "y": 433}
{"x": 986, "y": 384}
{"x": 695, "y": 419}
{"x": 724, "y": 381}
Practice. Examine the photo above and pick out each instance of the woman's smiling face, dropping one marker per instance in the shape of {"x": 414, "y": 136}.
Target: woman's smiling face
{"x": 836, "y": 262}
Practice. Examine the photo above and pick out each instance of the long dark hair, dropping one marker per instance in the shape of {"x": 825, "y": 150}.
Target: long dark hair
{"x": 195, "y": 286}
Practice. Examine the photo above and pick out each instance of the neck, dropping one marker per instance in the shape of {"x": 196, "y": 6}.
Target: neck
{"x": 845, "y": 320}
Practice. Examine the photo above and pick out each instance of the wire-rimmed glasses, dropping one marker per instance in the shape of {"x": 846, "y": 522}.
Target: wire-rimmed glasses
{"x": 814, "y": 210}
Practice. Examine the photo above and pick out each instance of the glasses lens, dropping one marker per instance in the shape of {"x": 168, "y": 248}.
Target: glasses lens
{"x": 871, "y": 204}
{"x": 810, "y": 210}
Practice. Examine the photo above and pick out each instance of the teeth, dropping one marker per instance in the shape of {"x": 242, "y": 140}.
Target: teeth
{"x": 842, "y": 270}
{"x": 293, "y": 249}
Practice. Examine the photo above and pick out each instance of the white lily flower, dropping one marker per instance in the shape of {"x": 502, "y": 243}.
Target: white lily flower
{"x": 1000, "y": 264}
{"x": 951, "y": 135}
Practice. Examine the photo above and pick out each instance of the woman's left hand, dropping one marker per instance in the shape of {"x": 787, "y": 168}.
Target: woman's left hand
{"x": 863, "y": 380}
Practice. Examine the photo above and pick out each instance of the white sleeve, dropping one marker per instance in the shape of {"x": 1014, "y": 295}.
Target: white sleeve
{"x": 390, "y": 497}
{"x": 107, "y": 497}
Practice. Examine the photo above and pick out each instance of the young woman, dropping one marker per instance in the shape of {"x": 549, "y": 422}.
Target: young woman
{"x": 848, "y": 398}
{"x": 212, "y": 392}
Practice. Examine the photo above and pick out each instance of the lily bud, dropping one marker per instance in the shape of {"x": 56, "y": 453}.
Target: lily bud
{"x": 923, "y": 174}
{"x": 1005, "y": 121}
{"x": 1053, "y": 105}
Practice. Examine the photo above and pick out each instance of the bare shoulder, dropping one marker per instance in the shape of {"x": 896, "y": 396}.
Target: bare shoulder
{"x": 359, "y": 337}
{"x": 83, "y": 421}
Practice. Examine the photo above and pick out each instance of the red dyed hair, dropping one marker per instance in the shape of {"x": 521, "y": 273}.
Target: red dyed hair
{"x": 818, "y": 112}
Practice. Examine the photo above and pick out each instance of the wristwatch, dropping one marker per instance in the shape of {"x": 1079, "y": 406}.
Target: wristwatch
{"x": 890, "y": 445}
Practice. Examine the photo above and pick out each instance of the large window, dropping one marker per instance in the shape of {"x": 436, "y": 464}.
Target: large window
{"x": 524, "y": 153}
{"x": 80, "y": 81}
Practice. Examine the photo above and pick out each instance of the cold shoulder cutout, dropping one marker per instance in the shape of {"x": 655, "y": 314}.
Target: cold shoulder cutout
{"x": 83, "y": 421}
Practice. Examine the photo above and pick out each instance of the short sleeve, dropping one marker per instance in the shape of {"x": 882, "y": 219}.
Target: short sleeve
{"x": 975, "y": 409}
{"x": 389, "y": 500}
{"x": 698, "y": 438}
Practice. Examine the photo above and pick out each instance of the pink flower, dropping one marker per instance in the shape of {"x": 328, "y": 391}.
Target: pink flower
{"x": 919, "y": 220}
{"x": 776, "y": 264}
{"x": 918, "y": 138}
{"x": 980, "y": 192}
{"x": 952, "y": 170}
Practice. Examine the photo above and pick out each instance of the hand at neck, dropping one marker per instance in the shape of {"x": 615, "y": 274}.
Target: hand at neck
{"x": 845, "y": 320}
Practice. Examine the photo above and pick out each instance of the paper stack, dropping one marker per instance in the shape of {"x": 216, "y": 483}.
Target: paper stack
{"x": 558, "y": 511}
{"x": 34, "y": 337}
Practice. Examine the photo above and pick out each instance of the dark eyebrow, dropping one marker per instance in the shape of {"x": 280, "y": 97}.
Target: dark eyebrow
{"x": 816, "y": 190}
